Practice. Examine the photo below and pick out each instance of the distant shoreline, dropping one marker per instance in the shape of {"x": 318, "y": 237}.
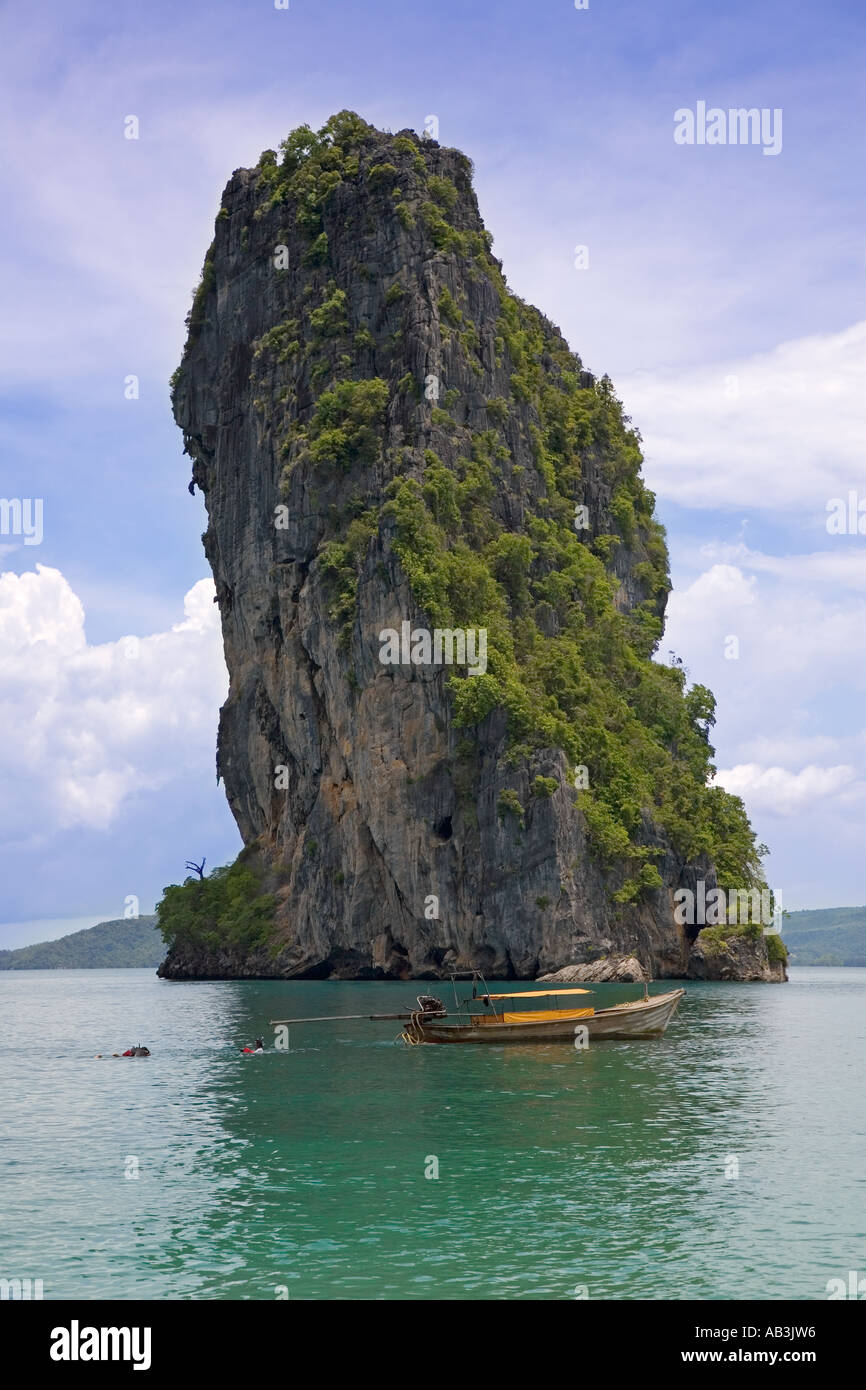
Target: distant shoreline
{"x": 126, "y": 943}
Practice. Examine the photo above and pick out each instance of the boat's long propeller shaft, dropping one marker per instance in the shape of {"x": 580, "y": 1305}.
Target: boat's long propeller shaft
{"x": 342, "y": 1018}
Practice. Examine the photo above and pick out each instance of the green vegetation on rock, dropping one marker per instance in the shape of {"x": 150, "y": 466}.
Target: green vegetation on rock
{"x": 346, "y": 427}
{"x": 225, "y": 910}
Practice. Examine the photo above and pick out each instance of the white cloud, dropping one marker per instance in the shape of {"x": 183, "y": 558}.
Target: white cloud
{"x": 790, "y": 728}
{"x": 786, "y": 793}
{"x": 784, "y": 631}
{"x": 777, "y": 431}
{"x": 844, "y": 568}
{"x": 722, "y": 587}
{"x": 88, "y": 728}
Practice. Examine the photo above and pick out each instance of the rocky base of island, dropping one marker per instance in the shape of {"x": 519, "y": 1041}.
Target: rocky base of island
{"x": 736, "y": 957}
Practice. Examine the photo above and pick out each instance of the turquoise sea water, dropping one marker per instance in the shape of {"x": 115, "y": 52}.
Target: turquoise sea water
{"x": 304, "y": 1170}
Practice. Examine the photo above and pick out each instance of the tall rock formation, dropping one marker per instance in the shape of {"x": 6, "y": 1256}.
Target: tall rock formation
{"x": 388, "y": 439}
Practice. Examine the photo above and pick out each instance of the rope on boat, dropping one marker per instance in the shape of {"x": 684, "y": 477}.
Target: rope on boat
{"x": 413, "y": 1034}
{"x": 427, "y": 1004}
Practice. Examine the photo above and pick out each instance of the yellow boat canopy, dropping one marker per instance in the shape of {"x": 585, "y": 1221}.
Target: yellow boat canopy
{"x": 535, "y": 994}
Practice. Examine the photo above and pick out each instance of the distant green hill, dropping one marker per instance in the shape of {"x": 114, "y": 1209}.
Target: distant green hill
{"x": 826, "y": 936}
{"x": 122, "y": 944}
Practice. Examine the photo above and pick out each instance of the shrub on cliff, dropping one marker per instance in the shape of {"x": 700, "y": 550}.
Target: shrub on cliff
{"x": 347, "y": 423}
{"x": 225, "y": 909}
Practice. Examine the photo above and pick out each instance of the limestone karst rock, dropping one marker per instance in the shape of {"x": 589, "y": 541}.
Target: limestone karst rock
{"x": 385, "y": 435}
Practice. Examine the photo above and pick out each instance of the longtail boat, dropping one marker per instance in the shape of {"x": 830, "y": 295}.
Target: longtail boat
{"x": 431, "y": 1022}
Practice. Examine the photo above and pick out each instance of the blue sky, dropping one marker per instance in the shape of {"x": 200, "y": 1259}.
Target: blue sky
{"x": 724, "y": 295}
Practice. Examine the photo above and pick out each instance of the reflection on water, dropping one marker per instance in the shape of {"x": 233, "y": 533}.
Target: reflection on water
{"x": 306, "y": 1169}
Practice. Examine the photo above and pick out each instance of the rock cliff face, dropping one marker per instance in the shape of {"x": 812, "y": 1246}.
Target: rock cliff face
{"x": 384, "y": 436}
{"x": 738, "y": 958}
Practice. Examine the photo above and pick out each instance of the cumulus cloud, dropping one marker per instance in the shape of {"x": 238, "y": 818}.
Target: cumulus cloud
{"x": 790, "y": 732}
{"x": 88, "y": 728}
{"x": 786, "y": 793}
{"x": 775, "y": 430}
{"x": 783, "y": 630}
{"x": 844, "y": 568}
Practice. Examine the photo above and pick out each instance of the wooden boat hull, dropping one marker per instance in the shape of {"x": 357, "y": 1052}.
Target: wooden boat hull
{"x": 643, "y": 1019}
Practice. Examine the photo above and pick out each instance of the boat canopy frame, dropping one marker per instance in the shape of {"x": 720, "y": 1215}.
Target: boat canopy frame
{"x": 488, "y": 998}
